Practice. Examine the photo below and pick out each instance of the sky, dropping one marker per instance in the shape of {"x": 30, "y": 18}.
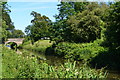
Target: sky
{"x": 20, "y": 12}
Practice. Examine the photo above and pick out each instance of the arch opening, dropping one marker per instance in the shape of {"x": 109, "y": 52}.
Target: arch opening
{"x": 12, "y": 45}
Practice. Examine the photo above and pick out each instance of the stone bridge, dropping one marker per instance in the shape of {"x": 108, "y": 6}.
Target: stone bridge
{"x": 18, "y": 41}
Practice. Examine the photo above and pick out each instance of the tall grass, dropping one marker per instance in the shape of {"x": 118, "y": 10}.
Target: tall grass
{"x": 25, "y": 66}
{"x": 0, "y": 61}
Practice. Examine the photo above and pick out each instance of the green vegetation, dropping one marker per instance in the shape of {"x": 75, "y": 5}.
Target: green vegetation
{"x": 81, "y": 51}
{"x": 113, "y": 27}
{"x": 16, "y": 34}
{"x": 83, "y": 31}
{"x": 25, "y": 66}
{"x": 79, "y": 25}
{"x": 39, "y": 27}
{"x": 109, "y": 59}
{"x": 0, "y": 67}
{"x": 39, "y": 46}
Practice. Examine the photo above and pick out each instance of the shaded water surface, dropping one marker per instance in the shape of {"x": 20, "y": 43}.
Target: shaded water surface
{"x": 50, "y": 59}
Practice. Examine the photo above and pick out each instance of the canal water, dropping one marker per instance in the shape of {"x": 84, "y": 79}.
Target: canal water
{"x": 56, "y": 61}
{"x": 50, "y": 59}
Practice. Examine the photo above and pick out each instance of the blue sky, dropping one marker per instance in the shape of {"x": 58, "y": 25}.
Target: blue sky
{"x": 20, "y": 12}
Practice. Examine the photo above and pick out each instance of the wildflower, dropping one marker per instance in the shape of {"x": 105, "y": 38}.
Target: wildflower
{"x": 67, "y": 69}
{"x": 76, "y": 73}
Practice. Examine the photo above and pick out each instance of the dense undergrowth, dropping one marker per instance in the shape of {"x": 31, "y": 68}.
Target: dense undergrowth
{"x": 109, "y": 59}
{"x": 95, "y": 53}
{"x": 25, "y": 66}
{"x": 81, "y": 51}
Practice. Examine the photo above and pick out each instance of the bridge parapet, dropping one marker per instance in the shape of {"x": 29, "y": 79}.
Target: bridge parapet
{"x": 18, "y": 41}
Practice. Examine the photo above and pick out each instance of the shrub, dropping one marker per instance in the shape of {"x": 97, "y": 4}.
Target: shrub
{"x": 81, "y": 51}
{"x": 109, "y": 59}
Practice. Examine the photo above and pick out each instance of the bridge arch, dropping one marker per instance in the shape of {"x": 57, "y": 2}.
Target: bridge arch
{"x": 13, "y": 45}
{"x": 18, "y": 41}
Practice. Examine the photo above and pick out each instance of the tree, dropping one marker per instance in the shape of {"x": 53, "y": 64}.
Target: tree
{"x": 58, "y": 28}
{"x": 17, "y": 34}
{"x": 6, "y": 21}
{"x": 84, "y": 27}
{"x": 113, "y": 28}
{"x": 65, "y": 9}
{"x": 68, "y": 8}
{"x": 6, "y": 16}
{"x": 39, "y": 27}
{"x": 4, "y": 31}
{"x": 84, "y": 24}
{"x": 57, "y": 31}
{"x": 80, "y": 6}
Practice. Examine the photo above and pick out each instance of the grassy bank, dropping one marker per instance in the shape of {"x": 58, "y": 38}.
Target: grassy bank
{"x": 39, "y": 46}
{"x": 25, "y": 66}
